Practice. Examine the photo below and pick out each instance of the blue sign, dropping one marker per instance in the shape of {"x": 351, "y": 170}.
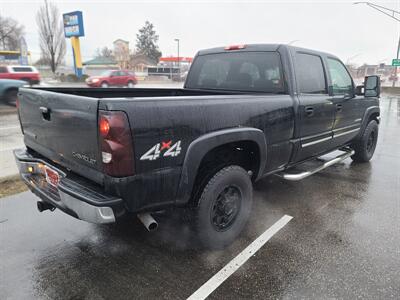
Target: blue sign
{"x": 73, "y": 24}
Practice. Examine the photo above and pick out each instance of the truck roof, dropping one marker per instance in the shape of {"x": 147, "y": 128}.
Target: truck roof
{"x": 261, "y": 47}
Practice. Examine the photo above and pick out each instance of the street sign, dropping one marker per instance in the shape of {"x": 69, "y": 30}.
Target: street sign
{"x": 396, "y": 62}
{"x": 73, "y": 24}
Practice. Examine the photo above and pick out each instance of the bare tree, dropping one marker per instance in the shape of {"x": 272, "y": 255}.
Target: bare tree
{"x": 10, "y": 33}
{"x": 104, "y": 52}
{"x": 51, "y": 32}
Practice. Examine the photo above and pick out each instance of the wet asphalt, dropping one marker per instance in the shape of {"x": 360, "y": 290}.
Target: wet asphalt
{"x": 343, "y": 242}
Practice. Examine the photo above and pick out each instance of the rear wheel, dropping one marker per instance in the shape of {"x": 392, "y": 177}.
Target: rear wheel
{"x": 104, "y": 85}
{"x": 365, "y": 147}
{"x": 224, "y": 207}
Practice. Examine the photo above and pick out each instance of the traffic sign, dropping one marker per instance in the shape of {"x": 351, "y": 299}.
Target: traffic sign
{"x": 396, "y": 62}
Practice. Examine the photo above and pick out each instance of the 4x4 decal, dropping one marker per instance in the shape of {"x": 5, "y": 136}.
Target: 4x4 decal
{"x": 156, "y": 151}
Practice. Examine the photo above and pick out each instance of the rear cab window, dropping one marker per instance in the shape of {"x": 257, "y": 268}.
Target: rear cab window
{"x": 3, "y": 70}
{"x": 310, "y": 74}
{"x": 238, "y": 71}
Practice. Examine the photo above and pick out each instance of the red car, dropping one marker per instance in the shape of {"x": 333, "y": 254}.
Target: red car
{"x": 113, "y": 78}
{"x": 24, "y": 73}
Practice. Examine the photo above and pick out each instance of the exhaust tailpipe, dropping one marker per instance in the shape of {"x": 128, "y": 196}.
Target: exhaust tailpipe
{"x": 42, "y": 206}
{"x": 148, "y": 221}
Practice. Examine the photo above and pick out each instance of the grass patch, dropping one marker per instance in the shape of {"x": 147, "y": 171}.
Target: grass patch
{"x": 11, "y": 185}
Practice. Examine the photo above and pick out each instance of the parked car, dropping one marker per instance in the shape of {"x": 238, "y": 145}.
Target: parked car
{"x": 28, "y": 74}
{"x": 9, "y": 90}
{"x": 245, "y": 112}
{"x": 113, "y": 78}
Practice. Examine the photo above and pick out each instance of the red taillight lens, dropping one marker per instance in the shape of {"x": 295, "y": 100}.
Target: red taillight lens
{"x": 104, "y": 126}
{"x": 116, "y": 143}
{"x": 17, "y": 103}
{"x": 235, "y": 47}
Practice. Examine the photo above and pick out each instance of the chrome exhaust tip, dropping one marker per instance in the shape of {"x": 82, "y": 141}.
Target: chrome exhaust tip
{"x": 148, "y": 221}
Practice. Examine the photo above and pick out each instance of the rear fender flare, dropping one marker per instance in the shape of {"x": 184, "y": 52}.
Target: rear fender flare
{"x": 202, "y": 145}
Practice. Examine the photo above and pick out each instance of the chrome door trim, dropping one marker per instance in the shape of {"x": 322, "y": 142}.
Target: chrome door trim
{"x": 346, "y": 132}
{"x": 316, "y": 141}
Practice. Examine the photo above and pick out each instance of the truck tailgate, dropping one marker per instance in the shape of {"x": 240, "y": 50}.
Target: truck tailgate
{"x": 62, "y": 128}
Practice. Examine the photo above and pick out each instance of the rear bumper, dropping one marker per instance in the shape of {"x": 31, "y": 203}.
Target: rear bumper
{"x": 83, "y": 201}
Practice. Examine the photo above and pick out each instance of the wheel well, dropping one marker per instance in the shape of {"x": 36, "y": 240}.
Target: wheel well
{"x": 243, "y": 153}
{"x": 374, "y": 116}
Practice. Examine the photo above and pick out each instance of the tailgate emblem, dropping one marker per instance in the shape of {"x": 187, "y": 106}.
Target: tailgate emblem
{"x": 84, "y": 157}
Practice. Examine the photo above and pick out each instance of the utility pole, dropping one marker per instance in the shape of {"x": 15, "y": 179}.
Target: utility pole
{"x": 394, "y": 14}
{"x": 179, "y": 60}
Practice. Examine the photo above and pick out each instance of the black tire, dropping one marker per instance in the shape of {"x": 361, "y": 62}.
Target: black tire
{"x": 130, "y": 84}
{"x": 365, "y": 146}
{"x": 104, "y": 84}
{"x": 11, "y": 96}
{"x": 224, "y": 207}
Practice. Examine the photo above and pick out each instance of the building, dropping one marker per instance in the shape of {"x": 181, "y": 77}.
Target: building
{"x": 121, "y": 53}
{"x": 8, "y": 57}
{"x": 98, "y": 65}
{"x": 381, "y": 69}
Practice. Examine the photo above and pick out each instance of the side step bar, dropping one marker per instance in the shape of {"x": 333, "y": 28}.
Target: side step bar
{"x": 299, "y": 176}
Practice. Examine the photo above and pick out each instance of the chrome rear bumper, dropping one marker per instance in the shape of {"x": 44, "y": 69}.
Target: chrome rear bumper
{"x": 73, "y": 197}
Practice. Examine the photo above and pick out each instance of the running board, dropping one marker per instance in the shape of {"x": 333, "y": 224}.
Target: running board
{"x": 302, "y": 175}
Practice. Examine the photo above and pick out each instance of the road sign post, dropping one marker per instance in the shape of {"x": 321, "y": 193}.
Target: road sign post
{"x": 73, "y": 28}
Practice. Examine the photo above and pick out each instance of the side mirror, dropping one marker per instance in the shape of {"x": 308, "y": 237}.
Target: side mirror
{"x": 372, "y": 86}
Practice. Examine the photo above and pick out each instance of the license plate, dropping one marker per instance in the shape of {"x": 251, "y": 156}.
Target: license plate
{"x": 52, "y": 176}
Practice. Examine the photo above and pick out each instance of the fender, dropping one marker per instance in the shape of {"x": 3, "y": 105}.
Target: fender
{"x": 368, "y": 112}
{"x": 202, "y": 145}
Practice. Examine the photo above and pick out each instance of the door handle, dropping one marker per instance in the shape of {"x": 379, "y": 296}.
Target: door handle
{"x": 309, "y": 111}
{"x": 45, "y": 112}
{"x": 339, "y": 107}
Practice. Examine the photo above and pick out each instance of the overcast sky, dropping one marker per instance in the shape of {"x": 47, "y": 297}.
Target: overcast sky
{"x": 356, "y": 33}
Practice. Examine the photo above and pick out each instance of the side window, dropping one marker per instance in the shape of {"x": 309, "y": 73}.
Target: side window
{"x": 310, "y": 74}
{"x": 22, "y": 69}
{"x": 341, "y": 80}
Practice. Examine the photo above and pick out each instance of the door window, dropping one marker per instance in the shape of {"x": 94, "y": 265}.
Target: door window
{"x": 310, "y": 74}
{"x": 341, "y": 80}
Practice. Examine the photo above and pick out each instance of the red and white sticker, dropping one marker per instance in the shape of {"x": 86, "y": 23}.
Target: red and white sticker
{"x": 163, "y": 149}
{"x": 52, "y": 176}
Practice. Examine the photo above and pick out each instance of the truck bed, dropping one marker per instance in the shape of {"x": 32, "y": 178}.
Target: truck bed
{"x": 132, "y": 93}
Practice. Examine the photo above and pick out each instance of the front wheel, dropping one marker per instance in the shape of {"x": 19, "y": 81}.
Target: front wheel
{"x": 365, "y": 146}
{"x": 224, "y": 207}
{"x": 104, "y": 85}
{"x": 131, "y": 84}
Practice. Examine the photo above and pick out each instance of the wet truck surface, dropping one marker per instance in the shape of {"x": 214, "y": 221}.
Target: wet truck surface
{"x": 245, "y": 112}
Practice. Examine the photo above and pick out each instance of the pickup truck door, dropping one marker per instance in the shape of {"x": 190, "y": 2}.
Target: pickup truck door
{"x": 316, "y": 111}
{"x": 348, "y": 108}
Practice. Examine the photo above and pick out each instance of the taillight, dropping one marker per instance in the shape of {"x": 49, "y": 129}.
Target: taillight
{"x": 17, "y": 103}
{"x": 116, "y": 143}
{"x": 235, "y": 47}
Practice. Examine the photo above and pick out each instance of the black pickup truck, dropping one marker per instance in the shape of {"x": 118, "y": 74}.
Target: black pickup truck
{"x": 245, "y": 112}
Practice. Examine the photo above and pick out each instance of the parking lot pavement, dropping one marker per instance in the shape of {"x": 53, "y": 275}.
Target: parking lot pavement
{"x": 343, "y": 242}
{"x": 10, "y": 138}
